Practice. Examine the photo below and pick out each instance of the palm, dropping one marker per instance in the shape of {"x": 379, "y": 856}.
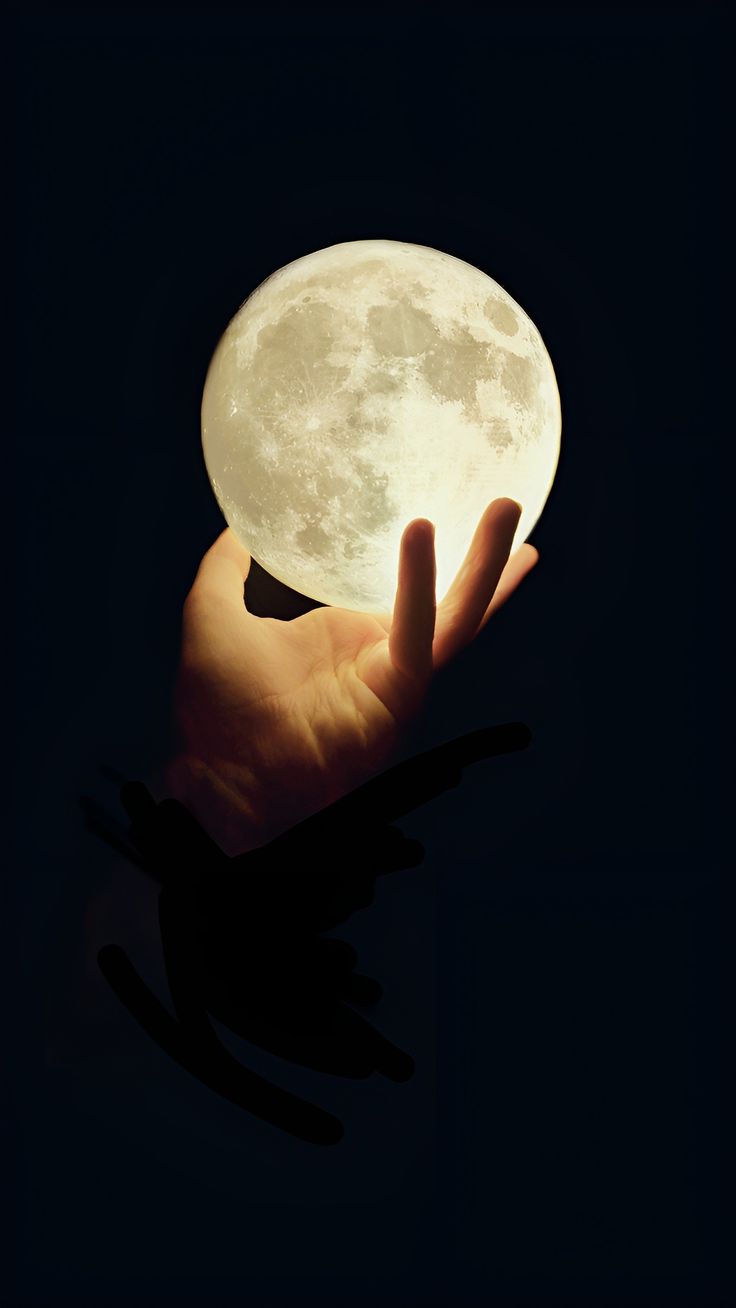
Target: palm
{"x": 278, "y": 719}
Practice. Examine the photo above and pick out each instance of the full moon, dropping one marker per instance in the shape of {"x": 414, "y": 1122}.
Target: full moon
{"x": 364, "y": 385}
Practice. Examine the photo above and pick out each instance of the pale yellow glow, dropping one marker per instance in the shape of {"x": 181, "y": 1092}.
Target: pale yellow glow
{"x": 364, "y": 385}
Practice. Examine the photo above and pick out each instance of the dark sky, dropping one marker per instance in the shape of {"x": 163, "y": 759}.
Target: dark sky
{"x": 554, "y": 966}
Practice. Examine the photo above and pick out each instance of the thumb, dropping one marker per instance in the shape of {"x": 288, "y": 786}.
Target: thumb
{"x": 223, "y": 571}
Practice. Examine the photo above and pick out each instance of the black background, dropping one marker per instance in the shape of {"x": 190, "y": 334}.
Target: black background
{"x": 554, "y": 966}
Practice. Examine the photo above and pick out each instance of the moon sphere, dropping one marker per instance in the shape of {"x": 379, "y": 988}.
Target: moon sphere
{"x": 364, "y": 385}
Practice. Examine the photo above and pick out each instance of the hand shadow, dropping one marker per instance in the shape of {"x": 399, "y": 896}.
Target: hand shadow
{"x": 242, "y": 937}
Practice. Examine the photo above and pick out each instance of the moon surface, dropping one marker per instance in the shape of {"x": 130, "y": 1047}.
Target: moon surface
{"x": 364, "y": 385}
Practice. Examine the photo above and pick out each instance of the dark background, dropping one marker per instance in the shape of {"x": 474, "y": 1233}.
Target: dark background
{"x": 554, "y": 967}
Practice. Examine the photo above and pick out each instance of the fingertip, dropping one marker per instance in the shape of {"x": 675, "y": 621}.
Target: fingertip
{"x": 223, "y": 570}
{"x": 227, "y": 552}
{"x": 504, "y": 503}
{"x": 419, "y": 529}
{"x": 228, "y": 545}
{"x": 418, "y": 548}
{"x": 519, "y": 565}
{"x": 503, "y": 514}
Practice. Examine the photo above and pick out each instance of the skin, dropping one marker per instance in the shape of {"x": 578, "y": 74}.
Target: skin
{"x": 276, "y": 720}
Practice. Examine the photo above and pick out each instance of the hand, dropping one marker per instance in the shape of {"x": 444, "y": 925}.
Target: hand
{"x": 276, "y": 720}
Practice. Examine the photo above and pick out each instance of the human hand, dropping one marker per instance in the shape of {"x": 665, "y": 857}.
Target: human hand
{"x": 276, "y": 720}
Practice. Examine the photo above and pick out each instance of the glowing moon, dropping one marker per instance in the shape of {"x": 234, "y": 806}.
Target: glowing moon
{"x": 364, "y": 385}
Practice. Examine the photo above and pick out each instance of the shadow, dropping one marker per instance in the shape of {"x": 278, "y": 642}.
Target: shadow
{"x": 243, "y": 938}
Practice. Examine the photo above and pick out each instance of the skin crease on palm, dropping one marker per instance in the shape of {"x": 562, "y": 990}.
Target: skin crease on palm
{"x": 275, "y": 720}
